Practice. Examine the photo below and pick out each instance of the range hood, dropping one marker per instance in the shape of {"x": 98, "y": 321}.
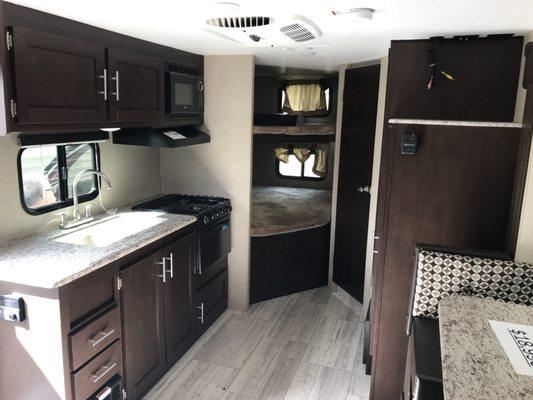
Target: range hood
{"x": 164, "y": 137}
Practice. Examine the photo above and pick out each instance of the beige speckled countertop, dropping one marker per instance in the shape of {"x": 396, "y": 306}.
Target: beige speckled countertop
{"x": 474, "y": 365}
{"x": 49, "y": 261}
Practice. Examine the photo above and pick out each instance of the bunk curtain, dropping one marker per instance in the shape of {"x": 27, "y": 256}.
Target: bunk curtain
{"x": 320, "y": 167}
{"x": 305, "y": 97}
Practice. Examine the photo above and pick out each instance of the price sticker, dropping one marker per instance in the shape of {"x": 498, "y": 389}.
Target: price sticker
{"x": 517, "y": 342}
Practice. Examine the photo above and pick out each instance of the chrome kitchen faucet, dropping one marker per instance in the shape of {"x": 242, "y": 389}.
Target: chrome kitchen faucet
{"x": 77, "y": 220}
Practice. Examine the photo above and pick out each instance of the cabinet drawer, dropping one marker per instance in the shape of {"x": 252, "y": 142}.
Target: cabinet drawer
{"x": 96, "y": 373}
{"x": 95, "y": 337}
{"x": 211, "y": 301}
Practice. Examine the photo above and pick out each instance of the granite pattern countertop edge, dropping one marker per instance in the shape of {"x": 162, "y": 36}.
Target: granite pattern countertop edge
{"x": 467, "y": 338}
{"x": 39, "y": 261}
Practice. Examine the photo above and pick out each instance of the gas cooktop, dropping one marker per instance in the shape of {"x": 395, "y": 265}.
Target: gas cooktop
{"x": 208, "y": 209}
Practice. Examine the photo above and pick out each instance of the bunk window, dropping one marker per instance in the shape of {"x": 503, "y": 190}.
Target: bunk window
{"x": 46, "y": 175}
{"x": 297, "y": 162}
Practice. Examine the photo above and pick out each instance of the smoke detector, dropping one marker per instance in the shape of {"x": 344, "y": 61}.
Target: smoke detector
{"x": 362, "y": 13}
{"x": 265, "y": 30}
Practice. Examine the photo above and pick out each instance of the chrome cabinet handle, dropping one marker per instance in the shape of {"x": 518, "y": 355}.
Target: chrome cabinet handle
{"x": 201, "y": 317}
{"x": 171, "y": 258}
{"x": 103, "y": 336}
{"x": 363, "y": 189}
{"x": 163, "y": 262}
{"x": 104, "y": 77}
{"x": 116, "y": 78}
{"x": 105, "y": 370}
{"x": 201, "y": 86}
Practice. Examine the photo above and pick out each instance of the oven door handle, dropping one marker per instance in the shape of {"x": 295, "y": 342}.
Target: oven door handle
{"x": 199, "y": 261}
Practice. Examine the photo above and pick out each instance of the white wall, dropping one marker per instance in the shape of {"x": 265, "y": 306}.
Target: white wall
{"x": 524, "y": 246}
{"x": 222, "y": 167}
{"x": 134, "y": 173}
{"x": 384, "y": 63}
{"x": 335, "y": 187}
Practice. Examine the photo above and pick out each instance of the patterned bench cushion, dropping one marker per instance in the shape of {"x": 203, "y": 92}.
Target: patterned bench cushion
{"x": 441, "y": 274}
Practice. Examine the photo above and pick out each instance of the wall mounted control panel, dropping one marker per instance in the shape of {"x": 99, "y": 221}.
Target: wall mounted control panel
{"x": 12, "y": 308}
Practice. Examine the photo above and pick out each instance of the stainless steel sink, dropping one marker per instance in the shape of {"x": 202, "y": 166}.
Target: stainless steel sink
{"x": 111, "y": 230}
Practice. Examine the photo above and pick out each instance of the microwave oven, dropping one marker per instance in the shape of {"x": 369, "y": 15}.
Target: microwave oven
{"x": 184, "y": 92}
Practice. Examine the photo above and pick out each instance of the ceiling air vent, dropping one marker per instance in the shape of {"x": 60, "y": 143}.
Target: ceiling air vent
{"x": 298, "y": 33}
{"x": 264, "y": 31}
{"x": 239, "y": 22}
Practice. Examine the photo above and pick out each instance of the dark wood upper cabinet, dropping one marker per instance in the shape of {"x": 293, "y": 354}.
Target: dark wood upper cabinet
{"x": 179, "y": 314}
{"x": 142, "y": 309}
{"x": 57, "y": 80}
{"x": 136, "y": 84}
{"x": 59, "y": 75}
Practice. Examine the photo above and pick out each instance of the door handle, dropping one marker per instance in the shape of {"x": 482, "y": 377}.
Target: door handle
{"x": 363, "y": 189}
{"x": 116, "y": 79}
{"x": 104, "y": 77}
{"x": 171, "y": 259}
{"x": 163, "y": 263}
{"x": 166, "y": 270}
{"x": 201, "y": 317}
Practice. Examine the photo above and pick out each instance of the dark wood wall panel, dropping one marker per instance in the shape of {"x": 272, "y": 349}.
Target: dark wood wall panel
{"x": 486, "y": 73}
{"x": 461, "y": 187}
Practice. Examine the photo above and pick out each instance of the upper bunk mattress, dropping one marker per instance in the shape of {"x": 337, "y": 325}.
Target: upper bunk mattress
{"x": 277, "y": 210}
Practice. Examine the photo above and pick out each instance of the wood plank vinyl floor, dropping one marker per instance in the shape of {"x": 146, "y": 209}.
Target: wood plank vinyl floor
{"x": 306, "y": 346}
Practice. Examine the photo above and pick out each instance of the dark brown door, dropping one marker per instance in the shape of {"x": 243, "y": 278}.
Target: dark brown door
{"x": 142, "y": 307}
{"x": 355, "y": 175}
{"x": 136, "y": 87}
{"x": 455, "y": 191}
{"x": 179, "y": 306}
{"x": 58, "y": 80}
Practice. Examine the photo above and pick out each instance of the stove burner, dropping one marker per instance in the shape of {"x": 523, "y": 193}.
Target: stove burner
{"x": 207, "y": 209}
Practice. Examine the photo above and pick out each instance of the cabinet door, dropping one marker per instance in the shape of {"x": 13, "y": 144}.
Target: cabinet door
{"x": 179, "y": 312}
{"x": 136, "y": 87}
{"x": 58, "y": 80}
{"x": 142, "y": 307}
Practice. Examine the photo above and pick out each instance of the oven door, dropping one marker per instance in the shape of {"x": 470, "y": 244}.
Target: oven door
{"x": 185, "y": 94}
{"x": 215, "y": 243}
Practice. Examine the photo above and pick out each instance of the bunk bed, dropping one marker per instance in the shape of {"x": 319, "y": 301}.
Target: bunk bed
{"x": 290, "y": 232}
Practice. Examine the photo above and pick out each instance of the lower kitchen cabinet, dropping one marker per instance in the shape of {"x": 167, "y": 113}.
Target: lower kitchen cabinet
{"x": 179, "y": 314}
{"x": 143, "y": 324}
{"x": 159, "y": 313}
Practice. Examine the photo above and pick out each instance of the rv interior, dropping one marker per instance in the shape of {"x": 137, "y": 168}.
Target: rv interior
{"x": 245, "y": 200}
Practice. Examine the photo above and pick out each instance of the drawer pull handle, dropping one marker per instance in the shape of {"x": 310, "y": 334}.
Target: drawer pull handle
{"x": 103, "y": 336}
{"x": 105, "y": 369}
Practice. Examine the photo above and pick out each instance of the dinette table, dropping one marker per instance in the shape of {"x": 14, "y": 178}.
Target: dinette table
{"x": 475, "y": 366}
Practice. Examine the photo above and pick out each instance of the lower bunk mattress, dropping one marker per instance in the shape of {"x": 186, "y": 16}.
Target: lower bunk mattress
{"x": 290, "y": 241}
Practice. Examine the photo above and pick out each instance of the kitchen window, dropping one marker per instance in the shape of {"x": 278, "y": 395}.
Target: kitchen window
{"x": 46, "y": 175}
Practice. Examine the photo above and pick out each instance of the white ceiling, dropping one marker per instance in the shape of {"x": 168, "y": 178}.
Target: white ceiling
{"x": 179, "y": 24}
